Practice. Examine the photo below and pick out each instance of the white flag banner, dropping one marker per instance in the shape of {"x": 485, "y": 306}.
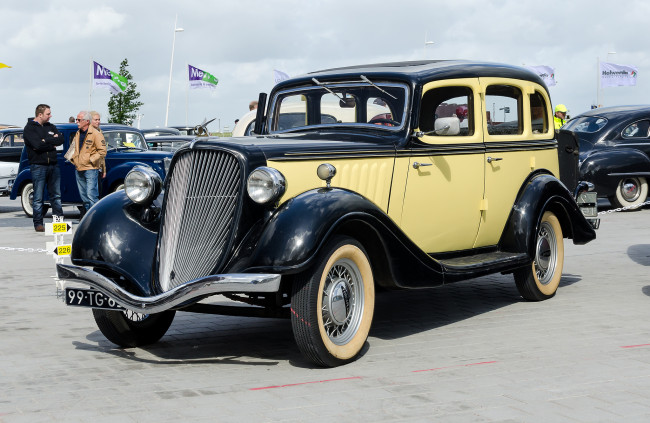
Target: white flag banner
{"x": 279, "y": 76}
{"x": 613, "y": 75}
{"x": 547, "y": 74}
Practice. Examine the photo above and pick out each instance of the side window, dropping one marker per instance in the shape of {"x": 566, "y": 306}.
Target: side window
{"x": 503, "y": 110}
{"x": 6, "y": 141}
{"x": 448, "y": 111}
{"x": 637, "y": 129}
{"x": 538, "y": 113}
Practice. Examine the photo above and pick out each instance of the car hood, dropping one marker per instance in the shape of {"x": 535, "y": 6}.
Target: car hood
{"x": 284, "y": 145}
{"x": 135, "y": 154}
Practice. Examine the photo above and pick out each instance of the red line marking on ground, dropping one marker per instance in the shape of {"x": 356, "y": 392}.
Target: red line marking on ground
{"x": 459, "y": 365}
{"x": 635, "y": 346}
{"x": 303, "y": 383}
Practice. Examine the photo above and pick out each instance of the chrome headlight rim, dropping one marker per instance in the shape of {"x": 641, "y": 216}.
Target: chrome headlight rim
{"x": 265, "y": 185}
{"x": 142, "y": 184}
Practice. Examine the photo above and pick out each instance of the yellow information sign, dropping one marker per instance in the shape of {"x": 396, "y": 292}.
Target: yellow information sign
{"x": 63, "y": 250}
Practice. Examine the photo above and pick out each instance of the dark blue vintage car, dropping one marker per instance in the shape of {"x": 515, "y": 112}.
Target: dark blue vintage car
{"x": 126, "y": 148}
{"x": 614, "y": 147}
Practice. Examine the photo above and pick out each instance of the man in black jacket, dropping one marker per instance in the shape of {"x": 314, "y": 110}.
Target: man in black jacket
{"x": 41, "y": 139}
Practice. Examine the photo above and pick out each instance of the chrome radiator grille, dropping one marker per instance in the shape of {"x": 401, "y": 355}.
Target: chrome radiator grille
{"x": 201, "y": 205}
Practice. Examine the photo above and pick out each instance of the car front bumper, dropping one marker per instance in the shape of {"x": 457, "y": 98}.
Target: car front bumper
{"x": 196, "y": 289}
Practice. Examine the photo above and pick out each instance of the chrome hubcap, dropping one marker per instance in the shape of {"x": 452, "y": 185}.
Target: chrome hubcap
{"x": 342, "y": 301}
{"x": 546, "y": 253}
{"x": 630, "y": 189}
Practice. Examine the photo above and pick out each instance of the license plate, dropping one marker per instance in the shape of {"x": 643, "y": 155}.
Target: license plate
{"x": 80, "y": 297}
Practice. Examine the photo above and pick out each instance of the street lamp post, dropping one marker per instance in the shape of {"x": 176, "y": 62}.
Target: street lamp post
{"x": 171, "y": 68}
{"x": 426, "y": 43}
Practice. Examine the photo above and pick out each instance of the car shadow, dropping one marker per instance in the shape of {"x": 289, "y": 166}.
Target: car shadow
{"x": 196, "y": 338}
{"x": 639, "y": 253}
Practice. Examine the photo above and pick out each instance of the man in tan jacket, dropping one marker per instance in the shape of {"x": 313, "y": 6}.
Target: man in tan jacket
{"x": 89, "y": 152}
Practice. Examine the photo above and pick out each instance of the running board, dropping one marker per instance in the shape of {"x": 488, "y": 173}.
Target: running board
{"x": 482, "y": 264}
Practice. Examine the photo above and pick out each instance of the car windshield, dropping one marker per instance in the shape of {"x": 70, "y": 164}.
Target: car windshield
{"x": 379, "y": 106}
{"x": 124, "y": 139}
{"x": 587, "y": 124}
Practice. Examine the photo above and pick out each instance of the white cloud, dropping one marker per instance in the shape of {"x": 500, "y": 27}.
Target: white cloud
{"x": 65, "y": 27}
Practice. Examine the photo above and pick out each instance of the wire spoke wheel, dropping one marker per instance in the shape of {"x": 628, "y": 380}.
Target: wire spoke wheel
{"x": 341, "y": 307}
{"x": 332, "y": 304}
{"x": 540, "y": 280}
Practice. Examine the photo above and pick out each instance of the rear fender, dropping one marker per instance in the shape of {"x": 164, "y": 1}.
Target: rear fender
{"x": 543, "y": 192}
{"x": 605, "y": 168}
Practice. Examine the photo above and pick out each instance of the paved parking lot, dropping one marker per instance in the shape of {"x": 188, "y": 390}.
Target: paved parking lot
{"x": 469, "y": 352}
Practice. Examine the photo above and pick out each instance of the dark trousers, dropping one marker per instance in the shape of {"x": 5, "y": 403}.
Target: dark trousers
{"x": 42, "y": 176}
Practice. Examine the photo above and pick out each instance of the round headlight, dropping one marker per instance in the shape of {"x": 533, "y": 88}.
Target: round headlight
{"x": 142, "y": 184}
{"x": 265, "y": 185}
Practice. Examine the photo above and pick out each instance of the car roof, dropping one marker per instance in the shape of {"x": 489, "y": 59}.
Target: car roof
{"x": 103, "y": 127}
{"x": 171, "y": 138}
{"x": 618, "y": 111}
{"x": 419, "y": 72}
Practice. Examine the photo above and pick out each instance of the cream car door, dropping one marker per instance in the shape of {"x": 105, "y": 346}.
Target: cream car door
{"x": 444, "y": 168}
{"x": 519, "y": 139}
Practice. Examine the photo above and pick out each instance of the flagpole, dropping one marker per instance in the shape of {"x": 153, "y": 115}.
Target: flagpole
{"x": 597, "y": 81}
{"x": 187, "y": 94}
{"x": 90, "y": 88}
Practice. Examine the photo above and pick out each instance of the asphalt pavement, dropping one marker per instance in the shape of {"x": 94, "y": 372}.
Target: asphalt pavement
{"x": 467, "y": 352}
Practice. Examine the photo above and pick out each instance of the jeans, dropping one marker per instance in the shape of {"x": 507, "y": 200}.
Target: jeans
{"x": 43, "y": 175}
{"x": 88, "y": 188}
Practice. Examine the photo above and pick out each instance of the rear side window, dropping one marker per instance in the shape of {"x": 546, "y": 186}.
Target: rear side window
{"x": 637, "y": 129}
{"x": 503, "y": 107}
{"x": 538, "y": 115}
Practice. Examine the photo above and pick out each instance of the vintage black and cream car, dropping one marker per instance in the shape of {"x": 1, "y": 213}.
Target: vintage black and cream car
{"x": 390, "y": 176}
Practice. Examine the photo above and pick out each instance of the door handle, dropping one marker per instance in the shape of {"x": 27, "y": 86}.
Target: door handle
{"x": 417, "y": 165}
{"x": 494, "y": 159}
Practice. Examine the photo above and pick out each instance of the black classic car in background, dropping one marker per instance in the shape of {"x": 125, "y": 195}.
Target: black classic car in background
{"x": 362, "y": 178}
{"x": 11, "y": 144}
{"x": 614, "y": 145}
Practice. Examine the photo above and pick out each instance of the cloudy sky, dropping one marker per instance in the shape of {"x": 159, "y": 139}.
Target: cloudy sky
{"x": 51, "y": 45}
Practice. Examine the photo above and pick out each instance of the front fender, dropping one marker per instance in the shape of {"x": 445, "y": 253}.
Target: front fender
{"x": 543, "y": 192}
{"x": 292, "y": 237}
{"x": 119, "y": 172}
{"x": 111, "y": 236}
{"x": 21, "y": 179}
{"x": 605, "y": 168}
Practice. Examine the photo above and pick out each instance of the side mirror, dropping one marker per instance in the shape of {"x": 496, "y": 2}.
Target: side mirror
{"x": 347, "y": 103}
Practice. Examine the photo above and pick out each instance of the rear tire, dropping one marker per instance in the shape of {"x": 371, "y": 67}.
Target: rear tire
{"x": 129, "y": 329}
{"x": 27, "y": 199}
{"x": 540, "y": 280}
{"x": 332, "y": 304}
{"x": 630, "y": 191}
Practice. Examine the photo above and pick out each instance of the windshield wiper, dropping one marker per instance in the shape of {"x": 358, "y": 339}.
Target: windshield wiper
{"x": 363, "y": 77}
{"x": 320, "y": 84}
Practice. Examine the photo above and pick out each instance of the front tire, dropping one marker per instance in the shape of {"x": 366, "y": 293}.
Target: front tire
{"x": 128, "y": 329}
{"x": 27, "y": 199}
{"x": 540, "y": 280}
{"x": 630, "y": 191}
{"x": 332, "y": 305}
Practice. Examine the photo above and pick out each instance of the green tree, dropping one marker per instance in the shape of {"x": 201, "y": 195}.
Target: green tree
{"x": 122, "y": 107}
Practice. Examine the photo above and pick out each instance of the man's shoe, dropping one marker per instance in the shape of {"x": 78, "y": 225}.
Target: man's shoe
{"x": 40, "y": 228}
